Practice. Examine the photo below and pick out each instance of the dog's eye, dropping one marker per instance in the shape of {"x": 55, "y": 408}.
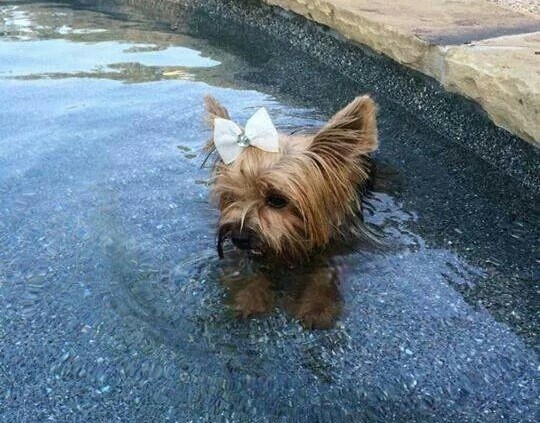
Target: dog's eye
{"x": 276, "y": 201}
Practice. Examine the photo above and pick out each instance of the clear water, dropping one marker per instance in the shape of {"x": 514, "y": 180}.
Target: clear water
{"x": 111, "y": 306}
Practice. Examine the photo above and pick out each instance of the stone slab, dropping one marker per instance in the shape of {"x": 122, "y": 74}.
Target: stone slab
{"x": 502, "y": 74}
{"x": 433, "y": 36}
{"x": 522, "y": 6}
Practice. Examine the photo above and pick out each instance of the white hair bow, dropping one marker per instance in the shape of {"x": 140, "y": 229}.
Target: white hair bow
{"x": 259, "y": 132}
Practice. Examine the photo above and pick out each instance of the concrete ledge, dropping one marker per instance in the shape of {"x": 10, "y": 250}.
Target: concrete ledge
{"x": 482, "y": 51}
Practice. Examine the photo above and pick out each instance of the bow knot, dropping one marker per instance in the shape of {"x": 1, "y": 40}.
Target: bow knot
{"x": 259, "y": 132}
{"x": 243, "y": 140}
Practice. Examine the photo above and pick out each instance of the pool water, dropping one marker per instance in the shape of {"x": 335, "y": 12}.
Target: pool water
{"x": 111, "y": 304}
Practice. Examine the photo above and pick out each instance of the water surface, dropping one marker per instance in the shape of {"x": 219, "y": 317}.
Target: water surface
{"x": 111, "y": 306}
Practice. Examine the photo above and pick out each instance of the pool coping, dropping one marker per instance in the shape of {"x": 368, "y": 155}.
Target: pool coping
{"x": 491, "y": 58}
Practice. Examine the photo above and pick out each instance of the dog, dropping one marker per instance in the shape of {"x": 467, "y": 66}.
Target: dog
{"x": 287, "y": 200}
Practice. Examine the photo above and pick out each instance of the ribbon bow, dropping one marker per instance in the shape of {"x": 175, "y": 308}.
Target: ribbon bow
{"x": 259, "y": 132}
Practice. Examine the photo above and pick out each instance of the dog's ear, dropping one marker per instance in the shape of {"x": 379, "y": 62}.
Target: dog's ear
{"x": 350, "y": 132}
{"x": 213, "y": 110}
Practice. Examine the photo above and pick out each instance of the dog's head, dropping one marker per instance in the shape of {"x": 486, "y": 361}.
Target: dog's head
{"x": 286, "y": 204}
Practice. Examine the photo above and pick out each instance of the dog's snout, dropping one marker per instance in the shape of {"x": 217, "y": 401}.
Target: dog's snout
{"x": 241, "y": 239}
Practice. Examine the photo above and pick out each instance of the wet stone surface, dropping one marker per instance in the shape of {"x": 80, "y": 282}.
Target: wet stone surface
{"x": 111, "y": 306}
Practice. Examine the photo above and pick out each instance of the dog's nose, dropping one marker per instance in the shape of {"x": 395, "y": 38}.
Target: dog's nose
{"x": 241, "y": 240}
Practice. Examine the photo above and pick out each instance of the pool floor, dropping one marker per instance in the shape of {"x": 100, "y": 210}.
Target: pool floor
{"x": 111, "y": 305}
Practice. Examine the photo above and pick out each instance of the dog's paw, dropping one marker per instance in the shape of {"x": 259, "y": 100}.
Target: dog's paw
{"x": 318, "y": 314}
{"x": 254, "y": 298}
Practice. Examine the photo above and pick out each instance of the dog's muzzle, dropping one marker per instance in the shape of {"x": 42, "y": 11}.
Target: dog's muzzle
{"x": 243, "y": 239}
{"x": 223, "y": 233}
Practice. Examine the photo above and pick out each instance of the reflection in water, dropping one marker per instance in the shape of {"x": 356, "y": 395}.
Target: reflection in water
{"x": 65, "y": 57}
{"x": 40, "y": 43}
{"x": 308, "y": 292}
{"x": 112, "y": 306}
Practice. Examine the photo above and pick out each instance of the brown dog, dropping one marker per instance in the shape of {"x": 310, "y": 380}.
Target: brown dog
{"x": 288, "y": 206}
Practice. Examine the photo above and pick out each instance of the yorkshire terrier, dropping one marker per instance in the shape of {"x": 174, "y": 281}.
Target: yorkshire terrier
{"x": 287, "y": 200}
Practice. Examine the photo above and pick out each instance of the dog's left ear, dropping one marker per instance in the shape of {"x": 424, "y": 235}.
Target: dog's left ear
{"x": 213, "y": 110}
{"x": 351, "y": 132}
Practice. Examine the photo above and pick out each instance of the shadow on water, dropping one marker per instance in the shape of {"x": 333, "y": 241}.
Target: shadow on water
{"x": 109, "y": 279}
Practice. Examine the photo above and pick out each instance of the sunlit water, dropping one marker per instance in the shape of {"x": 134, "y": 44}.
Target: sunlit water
{"x": 110, "y": 303}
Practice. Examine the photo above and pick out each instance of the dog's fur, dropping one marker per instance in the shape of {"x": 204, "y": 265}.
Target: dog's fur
{"x": 289, "y": 206}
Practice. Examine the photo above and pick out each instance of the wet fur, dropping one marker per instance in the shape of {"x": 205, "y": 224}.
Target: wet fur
{"x": 321, "y": 176}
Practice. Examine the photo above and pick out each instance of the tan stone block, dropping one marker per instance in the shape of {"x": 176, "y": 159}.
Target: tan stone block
{"x": 503, "y": 75}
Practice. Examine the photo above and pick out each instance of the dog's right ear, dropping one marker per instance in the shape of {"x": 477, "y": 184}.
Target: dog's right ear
{"x": 349, "y": 133}
{"x": 213, "y": 110}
